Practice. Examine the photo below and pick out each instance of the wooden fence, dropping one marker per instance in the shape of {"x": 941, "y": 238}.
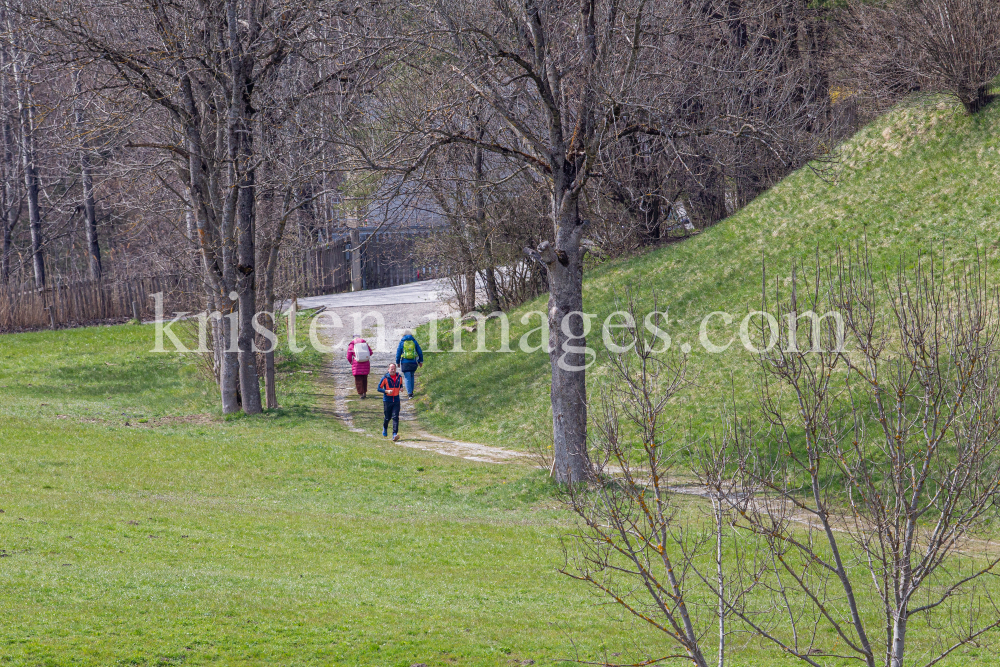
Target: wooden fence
{"x": 323, "y": 270}
{"x": 88, "y": 302}
{"x": 387, "y": 260}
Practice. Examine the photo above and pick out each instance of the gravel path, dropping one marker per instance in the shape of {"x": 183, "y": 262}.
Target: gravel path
{"x": 400, "y": 308}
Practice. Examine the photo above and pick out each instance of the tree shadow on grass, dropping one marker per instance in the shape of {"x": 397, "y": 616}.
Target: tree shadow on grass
{"x": 103, "y": 381}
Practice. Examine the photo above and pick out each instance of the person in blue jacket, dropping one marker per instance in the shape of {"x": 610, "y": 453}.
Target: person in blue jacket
{"x": 409, "y": 356}
{"x": 389, "y": 386}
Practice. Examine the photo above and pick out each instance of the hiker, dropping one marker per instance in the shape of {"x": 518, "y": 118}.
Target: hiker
{"x": 359, "y": 353}
{"x": 409, "y": 356}
{"x": 389, "y": 386}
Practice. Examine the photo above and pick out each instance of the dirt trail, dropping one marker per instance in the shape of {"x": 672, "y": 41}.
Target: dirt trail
{"x": 412, "y": 435}
{"x": 396, "y": 317}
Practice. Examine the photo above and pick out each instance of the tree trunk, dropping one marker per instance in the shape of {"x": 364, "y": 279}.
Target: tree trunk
{"x": 651, "y": 219}
{"x": 977, "y": 100}
{"x": 270, "y": 269}
{"x": 270, "y": 390}
{"x": 8, "y": 230}
{"x": 470, "y": 291}
{"x": 90, "y": 214}
{"x": 96, "y": 271}
{"x": 268, "y": 259}
{"x": 229, "y": 368}
{"x": 247, "y": 291}
{"x": 240, "y": 139}
{"x": 489, "y": 276}
{"x": 24, "y": 102}
{"x": 11, "y": 212}
{"x": 568, "y": 362}
{"x": 217, "y": 344}
{"x": 215, "y": 275}
{"x": 492, "y": 295}
{"x": 356, "y": 280}
{"x": 898, "y": 639}
{"x": 709, "y": 202}
{"x": 219, "y": 278}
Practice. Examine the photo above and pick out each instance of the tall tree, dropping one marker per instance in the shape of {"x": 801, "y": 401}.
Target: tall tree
{"x": 87, "y": 183}
{"x": 12, "y": 201}
{"x": 570, "y": 83}
{"x": 21, "y": 67}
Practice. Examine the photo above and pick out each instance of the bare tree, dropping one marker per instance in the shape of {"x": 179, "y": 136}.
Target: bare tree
{"x": 21, "y": 62}
{"x": 569, "y": 84}
{"x": 648, "y": 541}
{"x": 859, "y": 499}
{"x": 635, "y": 547}
{"x": 876, "y": 480}
{"x": 87, "y": 182}
{"x": 13, "y": 200}
{"x": 947, "y": 46}
{"x": 216, "y": 66}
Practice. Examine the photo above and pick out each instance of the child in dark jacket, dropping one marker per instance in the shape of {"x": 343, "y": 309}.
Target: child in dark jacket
{"x": 389, "y": 386}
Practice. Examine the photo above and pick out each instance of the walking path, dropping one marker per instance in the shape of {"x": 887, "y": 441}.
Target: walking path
{"x": 400, "y": 308}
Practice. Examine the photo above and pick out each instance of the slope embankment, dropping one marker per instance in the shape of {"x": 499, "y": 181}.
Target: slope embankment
{"x": 922, "y": 179}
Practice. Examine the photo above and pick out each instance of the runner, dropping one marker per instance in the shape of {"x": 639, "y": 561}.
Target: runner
{"x": 389, "y": 387}
{"x": 359, "y": 353}
{"x": 410, "y": 357}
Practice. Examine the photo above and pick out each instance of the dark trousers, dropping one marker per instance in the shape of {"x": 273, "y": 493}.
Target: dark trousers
{"x": 391, "y": 411}
{"x": 361, "y": 384}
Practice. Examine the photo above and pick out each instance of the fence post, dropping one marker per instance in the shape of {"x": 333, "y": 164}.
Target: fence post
{"x": 356, "y": 280}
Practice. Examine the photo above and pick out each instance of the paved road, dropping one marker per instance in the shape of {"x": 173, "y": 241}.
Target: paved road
{"x": 381, "y": 315}
{"x": 426, "y": 291}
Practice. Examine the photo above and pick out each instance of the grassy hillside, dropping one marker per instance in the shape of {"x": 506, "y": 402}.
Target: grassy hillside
{"x": 923, "y": 178}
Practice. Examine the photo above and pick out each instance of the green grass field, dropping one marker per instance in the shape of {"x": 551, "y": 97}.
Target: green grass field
{"x": 139, "y": 528}
{"x": 924, "y": 178}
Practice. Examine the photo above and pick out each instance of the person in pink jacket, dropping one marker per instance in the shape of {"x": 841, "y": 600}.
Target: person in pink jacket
{"x": 359, "y": 353}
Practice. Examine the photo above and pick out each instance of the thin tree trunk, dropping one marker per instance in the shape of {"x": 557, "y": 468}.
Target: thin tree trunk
{"x": 650, "y": 212}
{"x": 247, "y": 291}
{"x": 241, "y": 154}
{"x": 12, "y": 212}
{"x": 86, "y": 177}
{"x": 229, "y": 368}
{"x": 898, "y": 639}
{"x": 492, "y": 295}
{"x": 480, "y": 203}
{"x": 219, "y": 278}
{"x": 24, "y": 105}
{"x": 270, "y": 390}
{"x": 470, "y": 291}
{"x": 270, "y": 268}
{"x": 8, "y": 229}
